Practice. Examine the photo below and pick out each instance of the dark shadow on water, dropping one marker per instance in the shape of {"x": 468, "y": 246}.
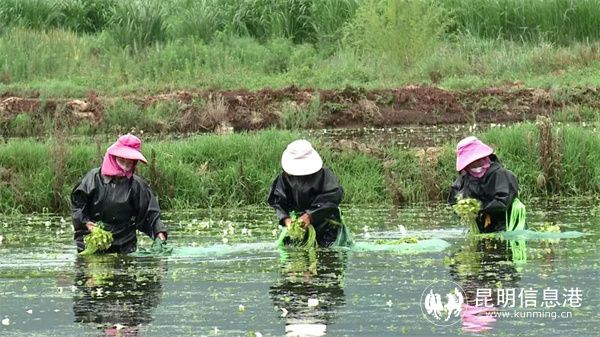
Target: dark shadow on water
{"x": 116, "y": 293}
{"x": 307, "y": 276}
{"x": 483, "y": 264}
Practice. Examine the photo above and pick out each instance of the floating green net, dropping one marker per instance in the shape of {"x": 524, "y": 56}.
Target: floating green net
{"x": 536, "y": 235}
{"x": 97, "y": 241}
{"x": 421, "y": 246}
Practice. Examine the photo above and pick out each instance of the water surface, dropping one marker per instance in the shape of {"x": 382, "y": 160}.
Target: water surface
{"x": 227, "y": 279}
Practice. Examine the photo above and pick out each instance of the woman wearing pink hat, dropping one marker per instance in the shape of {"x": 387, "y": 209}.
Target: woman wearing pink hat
{"x": 310, "y": 190}
{"x": 120, "y": 199}
{"x": 482, "y": 177}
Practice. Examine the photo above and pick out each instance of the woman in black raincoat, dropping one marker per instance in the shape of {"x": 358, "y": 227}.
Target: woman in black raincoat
{"x": 311, "y": 191}
{"x": 118, "y": 198}
{"x": 482, "y": 177}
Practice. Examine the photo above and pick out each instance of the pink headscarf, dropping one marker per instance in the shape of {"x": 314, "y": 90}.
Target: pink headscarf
{"x": 480, "y": 171}
{"x": 128, "y": 147}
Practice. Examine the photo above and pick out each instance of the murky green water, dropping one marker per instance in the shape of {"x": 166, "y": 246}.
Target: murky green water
{"x": 227, "y": 279}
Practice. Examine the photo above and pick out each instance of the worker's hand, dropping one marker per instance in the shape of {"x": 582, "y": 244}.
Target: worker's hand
{"x": 287, "y": 222}
{"x": 305, "y": 218}
{"x": 162, "y": 236}
{"x": 90, "y": 225}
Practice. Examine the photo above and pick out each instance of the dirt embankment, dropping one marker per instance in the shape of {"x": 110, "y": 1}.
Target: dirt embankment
{"x": 207, "y": 111}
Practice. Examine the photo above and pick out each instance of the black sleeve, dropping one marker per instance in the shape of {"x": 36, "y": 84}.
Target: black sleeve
{"x": 500, "y": 187}
{"x": 278, "y": 199}
{"x": 81, "y": 197}
{"x": 455, "y": 189}
{"x": 328, "y": 200}
{"x": 148, "y": 217}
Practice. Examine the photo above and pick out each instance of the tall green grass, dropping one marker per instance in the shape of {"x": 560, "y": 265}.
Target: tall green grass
{"x": 560, "y": 21}
{"x": 226, "y": 171}
{"x": 316, "y": 21}
{"x": 59, "y": 63}
{"x": 140, "y": 23}
{"x": 402, "y": 30}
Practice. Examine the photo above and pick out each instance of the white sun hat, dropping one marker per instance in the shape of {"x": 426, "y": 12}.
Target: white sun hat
{"x": 300, "y": 159}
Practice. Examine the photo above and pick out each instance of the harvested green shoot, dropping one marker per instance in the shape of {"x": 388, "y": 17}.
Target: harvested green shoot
{"x": 296, "y": 232}
{"x": 518, "y": 217}
{"x": 410, "y": 239}
{"x": 467, "y": 209}
{"x": 97, "y": 241}
{"x": 300, "y": 237}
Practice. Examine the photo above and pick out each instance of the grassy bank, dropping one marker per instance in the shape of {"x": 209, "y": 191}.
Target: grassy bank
{"x": 62, "y": 64}
{"x": 219, "y": 171}
{"x": 68, "y": 48}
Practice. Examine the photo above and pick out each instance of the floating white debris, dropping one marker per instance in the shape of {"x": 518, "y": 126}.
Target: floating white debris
{"x": 402, "y": 229}
{"x": 389, "y": 303}
{"x": 216, "y": 330}
{"x": 225, "y": 240}
{"x": 313, "y": 302}
{"x": 30, "y": 311}
{"x": 284, "y": 312}
{"x": 258, "y": 334}
{"x": 305, "y": 330}
{"x": 241, "y": 308}
{"x": 6, "y": 321}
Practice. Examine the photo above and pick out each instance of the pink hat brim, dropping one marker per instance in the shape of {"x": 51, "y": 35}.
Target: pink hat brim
{"x": 471, "y": 153}
{"x": 126, "y": 152}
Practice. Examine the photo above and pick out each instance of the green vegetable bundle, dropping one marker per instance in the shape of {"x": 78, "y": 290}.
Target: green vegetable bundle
{"x": 299, "y": 236}
{"x": 97, "y": 241}
{"x": 467, "y": 209}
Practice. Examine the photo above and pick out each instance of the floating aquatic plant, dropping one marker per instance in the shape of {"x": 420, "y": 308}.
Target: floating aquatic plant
{"x": 549, "y": 228}
{"x": 400, "y": 241}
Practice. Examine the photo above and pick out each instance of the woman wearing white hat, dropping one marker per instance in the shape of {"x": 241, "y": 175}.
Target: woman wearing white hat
{"x": 310, "y": 190}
